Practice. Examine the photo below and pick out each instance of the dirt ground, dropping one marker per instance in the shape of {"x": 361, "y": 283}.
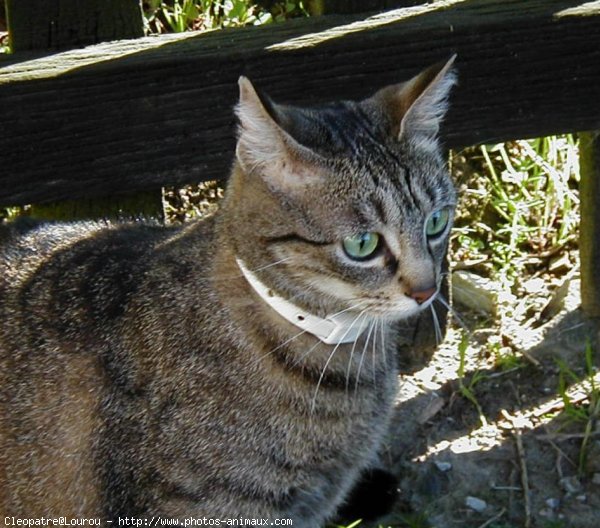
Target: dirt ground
{"x": 520, "y": 468}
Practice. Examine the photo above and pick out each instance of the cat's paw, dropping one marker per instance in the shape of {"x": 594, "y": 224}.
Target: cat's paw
{"x": 373, "y": 496}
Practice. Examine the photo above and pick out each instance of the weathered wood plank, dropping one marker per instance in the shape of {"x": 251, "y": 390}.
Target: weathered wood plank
{"x": 64, "y": 24}
{"x": 131, "y": 115}
{"x": 327, "y": 7}
{"x": 589, "y": 238}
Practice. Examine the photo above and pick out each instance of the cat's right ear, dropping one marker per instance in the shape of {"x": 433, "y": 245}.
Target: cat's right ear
{"x": 418, "y": 106}
{"x": 264, "y": 147}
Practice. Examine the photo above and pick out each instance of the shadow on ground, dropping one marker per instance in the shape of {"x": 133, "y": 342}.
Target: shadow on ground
{"x": 444, "y": 454}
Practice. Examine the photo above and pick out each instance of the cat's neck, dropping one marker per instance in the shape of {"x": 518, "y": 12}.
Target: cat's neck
{"x": 344, "y": 326}
{"x": 266, "y": 342}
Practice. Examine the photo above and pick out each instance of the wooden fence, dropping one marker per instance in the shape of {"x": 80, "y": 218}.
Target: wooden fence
{"x": 133, "y": 115}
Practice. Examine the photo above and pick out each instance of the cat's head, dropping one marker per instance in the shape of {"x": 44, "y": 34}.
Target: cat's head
{"x": 353, "y": 199}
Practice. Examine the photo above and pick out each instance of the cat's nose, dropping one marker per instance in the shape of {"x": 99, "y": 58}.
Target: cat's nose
{"x": 422, "y": 295}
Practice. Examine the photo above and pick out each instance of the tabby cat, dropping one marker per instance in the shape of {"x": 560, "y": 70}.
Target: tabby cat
{"x": 238, "y": 366}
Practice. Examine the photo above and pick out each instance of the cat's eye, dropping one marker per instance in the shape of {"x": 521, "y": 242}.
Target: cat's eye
{"x": 361, "y": 247}
{"x": 437, "y": 222}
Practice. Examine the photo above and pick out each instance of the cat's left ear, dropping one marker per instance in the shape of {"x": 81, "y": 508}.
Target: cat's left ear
{"x": 418, "y": 106}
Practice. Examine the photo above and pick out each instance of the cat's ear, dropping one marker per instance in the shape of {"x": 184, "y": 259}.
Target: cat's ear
{"x": 265, "y": 147}
{"x": 418, "y": 106}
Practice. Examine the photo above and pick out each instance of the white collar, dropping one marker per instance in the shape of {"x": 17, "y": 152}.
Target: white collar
{"x": 344, "y": 327}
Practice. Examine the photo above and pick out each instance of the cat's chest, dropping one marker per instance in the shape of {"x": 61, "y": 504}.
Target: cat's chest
{"x": 329, "y": 422}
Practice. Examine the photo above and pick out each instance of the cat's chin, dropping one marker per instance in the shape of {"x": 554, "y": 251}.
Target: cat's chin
{"x": 406, "y": 311}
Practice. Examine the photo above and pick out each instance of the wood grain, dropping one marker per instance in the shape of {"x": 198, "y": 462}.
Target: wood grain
{"x": 134, "y": 115}
{"x": 589, "y": 237}
{"x": 64, "y": 24}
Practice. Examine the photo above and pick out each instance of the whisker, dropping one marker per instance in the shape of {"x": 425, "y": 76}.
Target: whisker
{"x": 272, "y": 264}
{"x": 350, "y": 360}
{"x": 240, "y": 274}
{"x": 454, "y": 314}
{"x": 362, "y": 357}
{"x": 314, "y": 402}
{"x": 436, "y": 325}
{"x": 306, "y": 354}
{"x": 373, "y": 347}
{"x": 383, "y": 350}
{"x": 287, "y": 341}
{"x": 260, "y": 358}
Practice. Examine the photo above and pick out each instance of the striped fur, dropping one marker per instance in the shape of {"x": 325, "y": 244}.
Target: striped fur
{"x": 141, "y": 376}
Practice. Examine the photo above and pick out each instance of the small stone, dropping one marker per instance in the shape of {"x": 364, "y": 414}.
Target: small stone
{"x": 560, "y": 263}
{"x": 444, "y": 467}
{"x": 475, "y": 292}
{"x": 553, "y": 503}
{"x": 581, "y": 498}
{"x": 596, "y": 479}
{"x": 476, "y": 504}
{"x": 535, "y": 285}
{"x": 571, "y": 485}
{"x": 555, "y": 304}
{"x": 547, "y": 513}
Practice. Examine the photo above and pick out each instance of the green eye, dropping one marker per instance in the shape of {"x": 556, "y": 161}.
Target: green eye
{"x": 437, "y": 222}
{"x": 361, "y": 247}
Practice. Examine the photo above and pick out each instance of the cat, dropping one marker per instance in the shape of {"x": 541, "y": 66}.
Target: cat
{"x": 238, "y": 366}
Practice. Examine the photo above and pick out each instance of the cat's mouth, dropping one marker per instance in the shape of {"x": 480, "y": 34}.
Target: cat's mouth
{"x": 401, "y": 306}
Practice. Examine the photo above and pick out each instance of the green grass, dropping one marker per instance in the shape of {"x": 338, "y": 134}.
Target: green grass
{"x": 520, "y": 205}
{"x": 176, "y": 16}
{"x": 583, "y": 415}
{"x": 466, "y": 385}
{"x": 417, "y": 520}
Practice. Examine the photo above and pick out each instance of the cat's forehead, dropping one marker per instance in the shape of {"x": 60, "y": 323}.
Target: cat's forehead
{"x": 392, "y": 178}
{"x": 371, "y": 198}
{"x": 358, "y": 141}
{"x": 343, "y": 128}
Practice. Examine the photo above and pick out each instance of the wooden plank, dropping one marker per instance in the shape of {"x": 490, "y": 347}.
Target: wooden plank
{"x": 133, "y": 115}
{"x": 3, "y": 25}
{"x": 589, "y": 237}
{"x": 61, "y": 24}
{"x": 346, "y": 7}
{"x": 64, "y": 24}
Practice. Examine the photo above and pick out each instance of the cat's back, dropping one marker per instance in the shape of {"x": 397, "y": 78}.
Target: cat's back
{"x": 65, "y": 293}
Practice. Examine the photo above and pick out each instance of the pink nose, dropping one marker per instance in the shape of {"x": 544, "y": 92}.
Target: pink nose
{"x": 423, "y": 295}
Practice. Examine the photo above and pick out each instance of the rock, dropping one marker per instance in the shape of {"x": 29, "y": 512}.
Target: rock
{"x": 434, "y": 406}
{"x": 571, "y": 485}
{"x": 596, "y": 479}
{"x": 553, "y": 503}
{"x": 560, "y": 264}
{"x": 535, "y": 285}
{"x": 476, "y": 504}
{"x": 547, "y": 513}
{"x": 555, "y": 304}
{"x": 474, "y": 292}
{"x": 444, "y": 467}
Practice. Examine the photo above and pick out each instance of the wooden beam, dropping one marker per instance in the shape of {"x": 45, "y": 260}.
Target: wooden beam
{"x": 346, "y": 7}
{"x": 589, "y": 237}
{"x": 64, "y": 24}
{"x": 132, "y": 115}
